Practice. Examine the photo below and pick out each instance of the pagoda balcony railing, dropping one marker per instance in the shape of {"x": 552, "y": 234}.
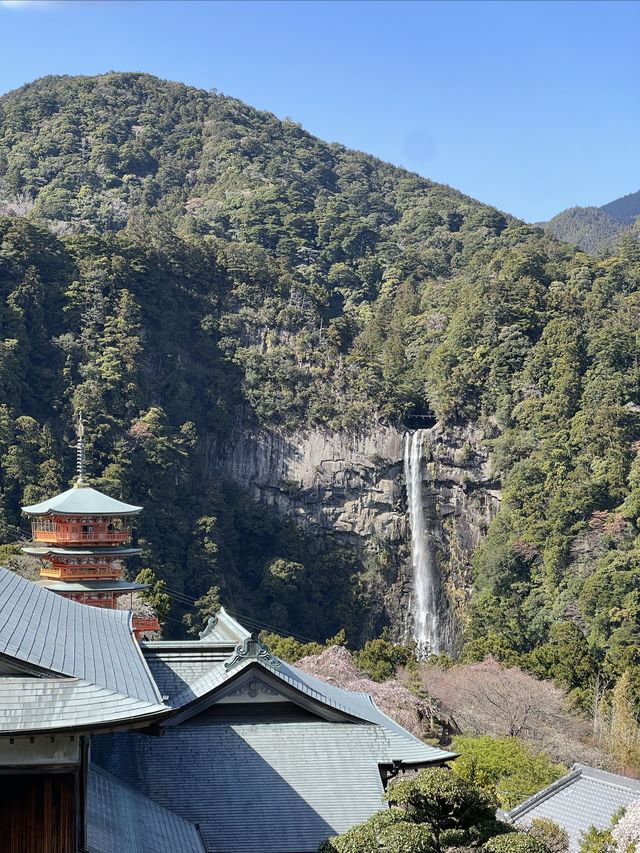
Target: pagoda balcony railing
{"x": 67, "y": 537}
{"x": 142, "y": 626}
{"x": 76, "y": 572}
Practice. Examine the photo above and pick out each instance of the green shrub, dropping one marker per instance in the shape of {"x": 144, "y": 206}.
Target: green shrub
{"x": 515, "y": 842}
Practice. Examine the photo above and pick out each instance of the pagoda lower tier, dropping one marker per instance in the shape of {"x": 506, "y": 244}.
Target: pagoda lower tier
{"x": 80, "y": 563}
{"x": 90, "y": 575}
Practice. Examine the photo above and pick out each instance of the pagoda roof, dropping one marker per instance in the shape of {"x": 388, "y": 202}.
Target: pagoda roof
{"x": 84, "y": 551}
{"x": 82, "y": 500}
{"x": 70, "y": 667}
{"x": 92, "y": 586}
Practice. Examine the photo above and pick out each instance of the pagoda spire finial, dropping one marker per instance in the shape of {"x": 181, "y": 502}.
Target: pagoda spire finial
{"x": 80, "y": 482}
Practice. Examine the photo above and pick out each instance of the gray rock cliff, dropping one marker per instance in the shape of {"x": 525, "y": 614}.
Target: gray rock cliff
{"x": 350, "y": 486}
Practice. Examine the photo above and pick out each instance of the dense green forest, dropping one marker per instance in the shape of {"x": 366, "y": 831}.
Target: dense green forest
{"x": 173, "y": 262}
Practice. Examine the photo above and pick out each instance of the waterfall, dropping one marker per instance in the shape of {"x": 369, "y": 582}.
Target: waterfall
{"x": 424, "y": 601}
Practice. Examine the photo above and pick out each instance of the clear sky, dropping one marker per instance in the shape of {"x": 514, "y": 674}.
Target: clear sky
{"x": 530, "y": 106}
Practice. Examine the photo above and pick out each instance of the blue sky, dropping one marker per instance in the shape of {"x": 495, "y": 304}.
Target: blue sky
{"x": 530, "y": 106}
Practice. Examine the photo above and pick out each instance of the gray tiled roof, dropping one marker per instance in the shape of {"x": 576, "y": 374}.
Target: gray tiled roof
{"x": 174, "y": 670}
{"x": 119, "y": 818}
{"x": 271, "y": 787}
{"x": 82, "y": 501}
{"x": 91, "y": 643}
{"x": 583, "y": 798}
{"x": 178, "y": 665}
{"x": 88, "y": 656}
{"x": 30, "y": 704}
{"x": 358, "y": 705}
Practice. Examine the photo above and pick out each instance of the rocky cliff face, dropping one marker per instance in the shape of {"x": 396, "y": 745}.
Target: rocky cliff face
{"x": 350, "y": 486}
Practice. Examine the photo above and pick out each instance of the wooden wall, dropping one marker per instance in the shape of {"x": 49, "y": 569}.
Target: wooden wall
{"x": 38, "y": 813}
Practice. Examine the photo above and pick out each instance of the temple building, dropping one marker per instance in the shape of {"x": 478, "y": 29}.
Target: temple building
{"x": 81, "y": 537}
{"x": 169, "y": 746}
{"x": 196, "y": 746}
{"x": 68, "y": 672}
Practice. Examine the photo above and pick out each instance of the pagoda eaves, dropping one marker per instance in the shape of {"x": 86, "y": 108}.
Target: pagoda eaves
{"x": 82, "y": 500}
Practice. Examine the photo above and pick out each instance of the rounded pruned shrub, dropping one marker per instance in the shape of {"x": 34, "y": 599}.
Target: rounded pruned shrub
{"x": 515, "y": 842}
{"x": 441, "y": 799}
{"x": 389, "y": 830}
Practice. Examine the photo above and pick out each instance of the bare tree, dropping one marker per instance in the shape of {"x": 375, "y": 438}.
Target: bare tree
{"x": 488, "y": 698}
{"x": 335, "y": 665}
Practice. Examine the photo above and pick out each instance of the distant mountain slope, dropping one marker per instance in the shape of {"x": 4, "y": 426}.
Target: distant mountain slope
{"x": 588, "y": 227}
{"x": 626, "y": 209}
{"x": 595, "y": 229}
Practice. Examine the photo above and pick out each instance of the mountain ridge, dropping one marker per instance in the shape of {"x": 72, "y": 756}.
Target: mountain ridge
{"x": 182, "y": 267}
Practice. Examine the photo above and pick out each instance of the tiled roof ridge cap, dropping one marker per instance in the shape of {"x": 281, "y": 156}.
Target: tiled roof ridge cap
{"x": 517, "y": 811}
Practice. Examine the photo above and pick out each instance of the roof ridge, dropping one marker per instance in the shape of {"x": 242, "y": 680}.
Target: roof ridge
{"x": 564, "y": 781}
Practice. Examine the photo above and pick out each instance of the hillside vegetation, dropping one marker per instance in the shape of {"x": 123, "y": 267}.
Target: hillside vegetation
{"x": 596, "y": 229}
{"x": 173, "y": 262}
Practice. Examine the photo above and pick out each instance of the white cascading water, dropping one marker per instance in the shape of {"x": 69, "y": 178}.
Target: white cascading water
{"x": 424, "y": 603}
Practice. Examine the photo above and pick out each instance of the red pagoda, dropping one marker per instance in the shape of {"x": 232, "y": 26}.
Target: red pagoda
{"x": 82, "y": 536}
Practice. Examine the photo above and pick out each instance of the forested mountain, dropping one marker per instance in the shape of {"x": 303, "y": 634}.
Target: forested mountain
{"x": 596, "y": 229}
{"x": 174, "y": 262}
{"x": 626, "y": 209}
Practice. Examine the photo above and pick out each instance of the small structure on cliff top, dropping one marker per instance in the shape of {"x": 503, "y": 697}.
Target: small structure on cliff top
{"x": 82, "y": 536}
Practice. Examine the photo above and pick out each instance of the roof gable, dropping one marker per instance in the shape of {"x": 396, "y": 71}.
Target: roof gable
{"x": 224, "y": 629}
{"x": 326, "y": 701}
{"x": 252, "y": 683}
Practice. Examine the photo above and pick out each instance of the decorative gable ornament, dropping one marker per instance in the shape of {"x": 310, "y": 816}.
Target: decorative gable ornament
{"x": 252, "y": 649}
{"x": 254, "y": 688}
